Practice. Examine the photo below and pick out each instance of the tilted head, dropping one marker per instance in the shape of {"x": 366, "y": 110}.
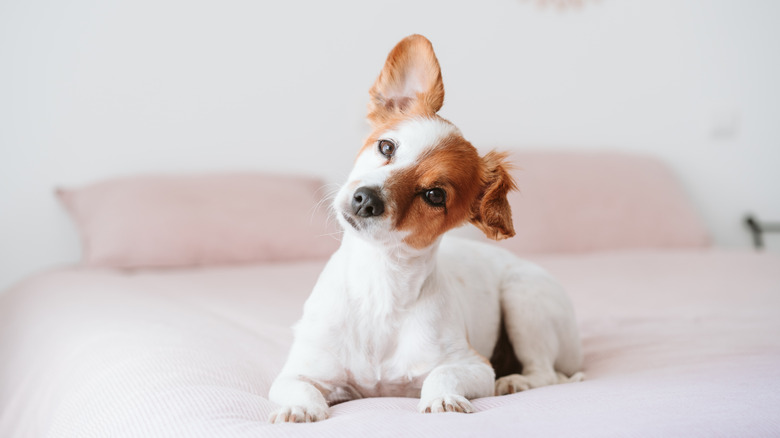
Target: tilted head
{"x": 416, "y": 176}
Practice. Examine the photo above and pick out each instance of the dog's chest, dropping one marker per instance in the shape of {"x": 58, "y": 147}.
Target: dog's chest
{"x": 386, "y": 354}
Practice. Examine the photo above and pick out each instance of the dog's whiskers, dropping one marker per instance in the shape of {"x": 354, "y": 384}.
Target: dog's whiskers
{"x": 332, "y": 190}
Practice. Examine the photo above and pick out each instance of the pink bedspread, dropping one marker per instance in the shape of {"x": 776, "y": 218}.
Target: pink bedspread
{"x": 676, "y": 344}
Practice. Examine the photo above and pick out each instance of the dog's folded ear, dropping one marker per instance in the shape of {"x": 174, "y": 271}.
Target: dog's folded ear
{"x": 491, "y": 212}
{"x": 410, "y": 82}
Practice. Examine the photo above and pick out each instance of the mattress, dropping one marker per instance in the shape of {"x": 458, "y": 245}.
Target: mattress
{"x": 676, "y": 342}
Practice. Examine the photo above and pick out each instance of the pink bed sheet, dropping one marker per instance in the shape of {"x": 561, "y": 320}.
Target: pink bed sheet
{"x": 677, "y": 343}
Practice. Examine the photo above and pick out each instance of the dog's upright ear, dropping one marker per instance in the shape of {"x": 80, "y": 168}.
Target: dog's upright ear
{"x": 491, "y": 212}
{"x": 410, "y": 82}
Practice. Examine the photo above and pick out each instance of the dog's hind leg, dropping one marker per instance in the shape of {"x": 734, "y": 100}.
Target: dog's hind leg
{"x": 541, "y": 326}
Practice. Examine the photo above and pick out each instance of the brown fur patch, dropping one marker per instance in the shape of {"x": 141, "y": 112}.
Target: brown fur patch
{"x": 454, "y": 166}
{"x": 492, "y": 213}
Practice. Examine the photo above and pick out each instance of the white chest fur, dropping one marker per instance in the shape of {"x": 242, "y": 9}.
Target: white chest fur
{"x": 386, "y": 320}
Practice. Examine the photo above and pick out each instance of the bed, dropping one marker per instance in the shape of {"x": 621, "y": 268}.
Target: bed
{"x": 160, "y": 333}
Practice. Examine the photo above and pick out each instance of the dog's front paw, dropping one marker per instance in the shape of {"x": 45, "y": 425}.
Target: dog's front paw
{"x": 512, "y": 384}
{"x": 297, "y": 414}
{"x": 447, "y": 403}
{"x": 576, "y": 377}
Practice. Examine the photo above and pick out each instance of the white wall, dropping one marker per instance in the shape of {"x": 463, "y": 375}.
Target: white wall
{"x": 96, "y": 88}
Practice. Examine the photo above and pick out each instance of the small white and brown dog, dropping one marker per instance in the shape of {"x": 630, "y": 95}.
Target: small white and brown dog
{"x": 401, "y": 311}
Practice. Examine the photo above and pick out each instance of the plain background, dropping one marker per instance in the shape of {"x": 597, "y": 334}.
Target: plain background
{"x": 102, "y": 88}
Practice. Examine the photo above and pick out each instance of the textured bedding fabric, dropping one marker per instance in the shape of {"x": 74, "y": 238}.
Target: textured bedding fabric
{"x": 677, "y": 343}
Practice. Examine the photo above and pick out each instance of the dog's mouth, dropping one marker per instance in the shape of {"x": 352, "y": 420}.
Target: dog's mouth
{"x": 350, "y": 221}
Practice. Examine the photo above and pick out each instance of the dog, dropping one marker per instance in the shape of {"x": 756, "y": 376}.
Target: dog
{"x": 402, "y": 311}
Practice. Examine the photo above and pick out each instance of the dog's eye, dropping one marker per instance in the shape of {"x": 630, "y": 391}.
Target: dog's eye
{"x": 435, "y": 197}
{"x": 386, "y": 148}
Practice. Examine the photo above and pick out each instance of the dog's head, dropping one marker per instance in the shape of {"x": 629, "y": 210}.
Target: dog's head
{"x": 416, "y": 176}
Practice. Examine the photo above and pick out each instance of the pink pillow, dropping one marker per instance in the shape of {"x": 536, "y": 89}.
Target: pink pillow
{"x": 156, "y": 221}
{"x": 579, "y": 202}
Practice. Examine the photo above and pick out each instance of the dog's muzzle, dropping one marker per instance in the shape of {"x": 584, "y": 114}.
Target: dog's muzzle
{"x": 366, "y": 202}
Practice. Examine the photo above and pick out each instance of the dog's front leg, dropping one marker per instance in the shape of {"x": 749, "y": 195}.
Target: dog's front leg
{"x": 449, "y": 387}
{"x": 301, "y": 401}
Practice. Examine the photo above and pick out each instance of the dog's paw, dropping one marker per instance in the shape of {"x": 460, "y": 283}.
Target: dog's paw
{"x": 297, "y": 414}
{"x": 576, "y": 377}
{"x": 512, "y": 384}
{"x": 447, "y": 403}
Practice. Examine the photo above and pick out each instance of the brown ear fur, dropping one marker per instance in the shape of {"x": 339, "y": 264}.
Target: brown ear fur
{"x": 491, "y": 212}
{"x": 410, "y": 82}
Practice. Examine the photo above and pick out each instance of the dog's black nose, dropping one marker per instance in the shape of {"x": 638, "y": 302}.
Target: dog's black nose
{"x": 366, "y": 202}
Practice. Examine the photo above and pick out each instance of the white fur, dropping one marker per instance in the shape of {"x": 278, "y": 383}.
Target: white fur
{"x": 385, "y": 319}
